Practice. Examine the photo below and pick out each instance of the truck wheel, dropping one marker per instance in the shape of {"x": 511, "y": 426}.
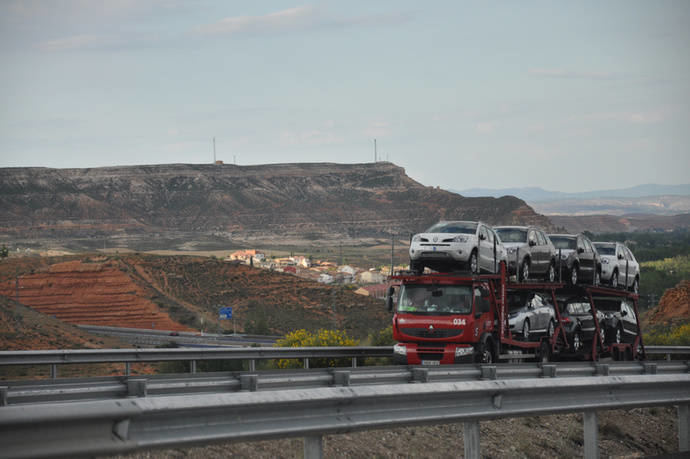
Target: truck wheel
{"x": 525, "y": 330}
{"x": 544, "y": 352}
{"x": 486, "y": 353}
{"x": 474, "y": 264}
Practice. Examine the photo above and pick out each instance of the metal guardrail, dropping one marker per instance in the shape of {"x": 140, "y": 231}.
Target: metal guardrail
{"x": 668, "y": 351}
{"x": 79, "y": 389}
{"x": 118, "y": 426}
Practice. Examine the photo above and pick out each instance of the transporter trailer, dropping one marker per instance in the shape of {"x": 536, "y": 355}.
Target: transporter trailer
{"x": 448, "y": 318}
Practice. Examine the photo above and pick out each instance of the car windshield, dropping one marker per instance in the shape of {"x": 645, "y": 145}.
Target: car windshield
{"x": 433, "y": 299}
{"x": 605, "y": 249}
{"x": 512, "y": 234}
{"x": 563, "y": 242}
{"x": 453, "y": 227}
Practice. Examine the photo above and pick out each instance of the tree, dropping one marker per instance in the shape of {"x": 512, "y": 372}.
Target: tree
{"x": 4, "y": 251}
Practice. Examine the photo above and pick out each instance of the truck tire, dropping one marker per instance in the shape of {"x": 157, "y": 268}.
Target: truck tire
{"x": 485, "y": 352}
{"x": 474, "y": 263}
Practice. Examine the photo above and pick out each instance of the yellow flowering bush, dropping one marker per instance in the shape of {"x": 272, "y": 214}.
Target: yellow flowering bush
{"x": 679, "y": 336}
{"x": 321, "y": 338}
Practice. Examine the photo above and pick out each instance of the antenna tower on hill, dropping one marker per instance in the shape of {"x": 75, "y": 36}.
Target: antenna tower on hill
{"x": 214, "y": 150}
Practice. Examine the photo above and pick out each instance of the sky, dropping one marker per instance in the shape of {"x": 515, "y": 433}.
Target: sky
{"x": 569, "y": 96}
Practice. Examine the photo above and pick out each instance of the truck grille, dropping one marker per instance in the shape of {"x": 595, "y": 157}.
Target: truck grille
{"x": 430, "y": 355}
{"x": 436, "y": 333}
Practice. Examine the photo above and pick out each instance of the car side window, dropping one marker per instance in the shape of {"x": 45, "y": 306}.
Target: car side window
{"x": 489, "y": 236}
{"x": 541, "y": 238}
{"x": 537, "y": 301}
{"x": 531, "y": 236}
{"x": 588, "y": 246}
{"x": 580, "y": 244}
{"x": 628, "y": 254}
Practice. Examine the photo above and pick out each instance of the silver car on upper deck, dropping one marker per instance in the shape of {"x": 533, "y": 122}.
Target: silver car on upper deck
{"x": 456, "y": 245}
{"x": 619, "y": 268}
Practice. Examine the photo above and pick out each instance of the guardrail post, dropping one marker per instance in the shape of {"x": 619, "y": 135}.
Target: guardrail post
{"x": 3, "y": 396}
{"x": 53, "y": 371}
{"x": 192, "y": 366}
{"x": 306, "y": 363}
{"x": 313, "y": 447}
{"x": 683, "y": 428}
{"x": 252, "y": 365}
{"x": 136, "y": 388}
{"x": 128, "y": 368}
{"x": 354, "y": 362}
{"x": 470, "y": 433}
{"x": 249, "y": 382}
{"x": 591, "y": 434}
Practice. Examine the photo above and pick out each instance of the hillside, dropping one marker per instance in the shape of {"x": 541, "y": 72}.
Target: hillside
{"x": 149, "y": 207}
{"x": 175, "y": 293}
{"x": 673, "y": 308}
{"x": 620, "y": 224}
{"x": 654, "y": 205}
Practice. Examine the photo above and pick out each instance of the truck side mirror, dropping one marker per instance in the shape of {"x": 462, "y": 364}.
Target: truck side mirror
{"x": 389, "y": 298}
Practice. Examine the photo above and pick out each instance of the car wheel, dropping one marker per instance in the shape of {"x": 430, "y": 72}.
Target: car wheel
{"x": 577, "y": 340}
{"x": 638, "y": 352}
{"x": 573, "y": 275}
{"x": 525, "y": 330}
{"x": 524, "y": 270}
{"x": 614, "y": 279}
{"x": 636, "y": 286}
{"x": 618, "y": 336}
{"x": 551, "y": 273}
{"x": 602, "y": 334}
{"x": 551, "y": 329}
{"x": 474, "y": 264}
{"x": 416, "y": 267}
{"x": 597, "y": 278}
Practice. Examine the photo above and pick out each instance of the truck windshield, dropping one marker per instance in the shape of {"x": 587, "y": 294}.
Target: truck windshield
{"x": 453, "y": 227}
{"x": 512, "y": 234}
{"x": 563, "y": 242}
{"x": 434, "y": 299}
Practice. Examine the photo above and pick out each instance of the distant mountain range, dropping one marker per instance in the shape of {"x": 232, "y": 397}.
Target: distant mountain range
{"x": 642, "y": 199}
{"x": 536, "y": 194}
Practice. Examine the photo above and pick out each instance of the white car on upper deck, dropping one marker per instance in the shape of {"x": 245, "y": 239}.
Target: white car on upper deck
{"x": 619, "y": 268}
{"x": 454, "y": 245}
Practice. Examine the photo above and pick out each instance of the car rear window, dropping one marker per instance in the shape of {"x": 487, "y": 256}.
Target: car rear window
{"x": 605, "y": 249}
{"x": 512, "y": 234}
{"x": 453, "y": 227}
{"x": 563, "y": 242}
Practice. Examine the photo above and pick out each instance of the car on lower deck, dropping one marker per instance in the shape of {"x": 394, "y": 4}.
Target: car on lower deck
{"x": 530, "y": 315}
{"x": 579, "y": 261}
{"x": 619, "y": 268}
{"x": 530, "y": 253}
{"x": 457, "y": 245}
{"x": 620, "y": 320}
{"x": 578, "y": 321}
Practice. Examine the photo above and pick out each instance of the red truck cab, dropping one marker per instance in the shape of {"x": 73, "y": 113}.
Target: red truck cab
{"x": 444, "y": 319}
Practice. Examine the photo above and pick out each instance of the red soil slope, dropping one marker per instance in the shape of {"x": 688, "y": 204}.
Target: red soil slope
{"x": 674, "y": 306}
{"x": 91, "y": 294}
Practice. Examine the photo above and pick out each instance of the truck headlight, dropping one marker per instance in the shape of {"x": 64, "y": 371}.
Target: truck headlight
{"x": 400, "y": 349}
{"x": 462, "y": 351}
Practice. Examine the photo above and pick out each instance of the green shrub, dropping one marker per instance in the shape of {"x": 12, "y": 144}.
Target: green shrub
{"x": 322, "y": 338}
{"x": 676, "y": 336}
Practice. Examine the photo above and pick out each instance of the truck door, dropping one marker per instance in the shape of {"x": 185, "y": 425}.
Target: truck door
{"x": 482, "y": 311}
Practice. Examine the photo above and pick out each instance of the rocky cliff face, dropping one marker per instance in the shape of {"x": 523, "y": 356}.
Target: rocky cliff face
{"x": 310, "y": 201}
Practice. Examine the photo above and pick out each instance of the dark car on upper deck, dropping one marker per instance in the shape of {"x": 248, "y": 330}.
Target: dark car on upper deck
{"x": 579, "y": 261}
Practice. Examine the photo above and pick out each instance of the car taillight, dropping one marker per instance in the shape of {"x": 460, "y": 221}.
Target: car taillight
{"x": 566, "y": 320}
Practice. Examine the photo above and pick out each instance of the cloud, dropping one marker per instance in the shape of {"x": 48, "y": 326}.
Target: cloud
{"x": 377, "y": 129}
{"x": 74, "y": 42}
{"x": 291, "y": 20}
{"x": 648, "y": 117}
{"x": 485, "y": 127}
{"x": 571, "y": 74}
